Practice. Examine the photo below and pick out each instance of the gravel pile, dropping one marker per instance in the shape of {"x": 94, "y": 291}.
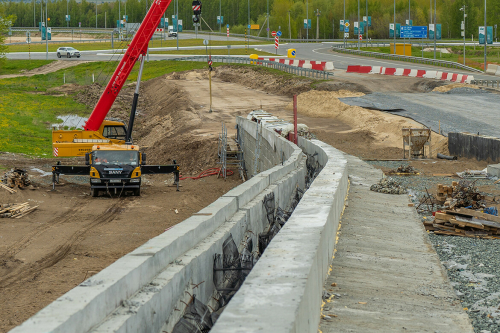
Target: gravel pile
{"x": 465, "y": 90}
{"x": 388, "y": 186}
{"x": 472, "y": 264}
{"x": 473, "y": 267}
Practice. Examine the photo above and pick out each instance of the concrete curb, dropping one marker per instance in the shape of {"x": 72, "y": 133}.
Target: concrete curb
{"x": 283, "y": 291}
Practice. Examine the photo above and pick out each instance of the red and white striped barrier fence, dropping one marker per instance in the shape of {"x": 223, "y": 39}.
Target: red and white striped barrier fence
{"x": 317, "y": 65}
{"x": 451, "y": 77}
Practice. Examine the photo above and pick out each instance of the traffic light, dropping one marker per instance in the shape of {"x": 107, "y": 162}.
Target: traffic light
{"x": 196, "y": 11}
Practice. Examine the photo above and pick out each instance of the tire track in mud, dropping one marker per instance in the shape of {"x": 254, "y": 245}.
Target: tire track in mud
{"x": 23, "y": 273}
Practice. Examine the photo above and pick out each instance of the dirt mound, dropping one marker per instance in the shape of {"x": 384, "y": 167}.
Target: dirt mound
{"x": 451, "y": 86}
{"x": 68, "y": 88}
{"x": 367, "y": 127}
{"x": 259, "y": 78}
{"x": 427, "y": 85}
{"x": 340, "y": 85}
{"x": 165, "y": 128}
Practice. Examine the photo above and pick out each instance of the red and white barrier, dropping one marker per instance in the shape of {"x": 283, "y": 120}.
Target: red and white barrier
{"x": 451, "y": 77}
{"x": 317, "y": 65}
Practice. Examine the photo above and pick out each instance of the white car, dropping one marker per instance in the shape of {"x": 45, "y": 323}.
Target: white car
{"x": 68, "y": 52}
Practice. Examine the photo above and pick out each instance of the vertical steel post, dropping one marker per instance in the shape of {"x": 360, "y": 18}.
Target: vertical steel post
{"x": 394, "y": 46}
{"x": 485, "y": 36}
{"x": 307, "y": 20}
{"x": 344, "y": 25}
{"x": 268, "y": 19}
{"x": 435, "y": 28}
{"x": 295, "y": 139}
{"x": 359, "y": 26}
{"x": 96, "y": 14}
{"x": 47, "y": 30}
{"x": 366, "y": 1}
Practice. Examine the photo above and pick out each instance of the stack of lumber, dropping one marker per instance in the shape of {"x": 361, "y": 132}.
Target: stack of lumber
{"x": 444, "y": 192}
{"x": 8, "y": 189}
{"x": 465, "y": 222}
{"x": 16, "y": 210}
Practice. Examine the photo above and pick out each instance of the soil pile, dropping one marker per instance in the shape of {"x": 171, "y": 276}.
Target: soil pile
{"x": 259, "y": 78}
{"x": 165, "y": 129}
{"x": 451, "y": 86}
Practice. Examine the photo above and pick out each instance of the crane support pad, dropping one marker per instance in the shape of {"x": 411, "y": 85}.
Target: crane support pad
{"x": 159, "y": 169}
{"x": 71, "y": 169}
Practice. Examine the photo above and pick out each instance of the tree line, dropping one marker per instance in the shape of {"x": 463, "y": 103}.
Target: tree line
{"x": 287, "y": 15}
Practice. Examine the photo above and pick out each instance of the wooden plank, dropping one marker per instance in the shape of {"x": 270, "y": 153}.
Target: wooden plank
{"x": 467, "y": 222}
{"x": 475, "y": 213}
{"x": 26, "y": 212}
{"x": 7, "y": 188}
{"x": 443, "y": 216}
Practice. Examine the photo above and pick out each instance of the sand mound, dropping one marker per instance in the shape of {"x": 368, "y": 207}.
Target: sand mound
{"x": 450, "y": 86}
{"x": 369, "y": 126}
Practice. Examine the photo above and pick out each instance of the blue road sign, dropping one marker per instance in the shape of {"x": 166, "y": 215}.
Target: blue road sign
{"x": 413, "y": 31}
{"x": 278, "y": 33}
{"x": 346, "y": 29}
{"x": 248, "y": 26}
{"x": 227, "y": 26}
{"x": 293, "y": 53}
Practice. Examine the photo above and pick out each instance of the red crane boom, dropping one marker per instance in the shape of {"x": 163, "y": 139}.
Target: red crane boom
{"x": 137, "y": 47}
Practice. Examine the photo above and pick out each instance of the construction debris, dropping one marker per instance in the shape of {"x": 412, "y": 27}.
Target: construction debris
{"x": 464, "y": 222}
{"x": 403, "y": 170}
{"x": 475, "y": 174}
{"x": 16, "y": 178}
{"x": 16, "y": 210}
{"x": 460, "y": 194}
{"x": 388, "y": 186}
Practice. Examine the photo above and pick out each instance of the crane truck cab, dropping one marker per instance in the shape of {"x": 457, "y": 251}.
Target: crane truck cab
{"x": 79, "y": 142}
{"x": 115, "y": 167}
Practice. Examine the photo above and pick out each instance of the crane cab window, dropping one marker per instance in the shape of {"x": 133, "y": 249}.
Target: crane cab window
{"x": 114, "y": 132}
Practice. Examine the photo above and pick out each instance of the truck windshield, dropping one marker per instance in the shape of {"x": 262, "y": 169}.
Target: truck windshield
{"x": 115, "y": 157}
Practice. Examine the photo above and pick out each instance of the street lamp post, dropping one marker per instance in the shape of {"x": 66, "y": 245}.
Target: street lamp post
{"x": 307, "y": 19}
{"x": 96, "y": 14}
{"x": 318, "y": 13}
{"x": 344, "y": 24}
{"x": 359, "y": 26}
{"x": 435, "y": 28}
{"x": 485, "y": 35}
{"x": 289, "y": 26}
{"x": 268, "y": 19}
{"x": 463, "y": 28}
{"x": 394, "y": 46}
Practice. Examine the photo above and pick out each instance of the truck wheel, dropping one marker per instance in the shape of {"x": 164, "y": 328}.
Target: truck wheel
{"x": 137, "y": 192}
{"x": 94, "y": 192}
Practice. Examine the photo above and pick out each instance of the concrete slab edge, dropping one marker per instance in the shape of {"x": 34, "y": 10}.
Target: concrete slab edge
{"x": 283, "y": 291}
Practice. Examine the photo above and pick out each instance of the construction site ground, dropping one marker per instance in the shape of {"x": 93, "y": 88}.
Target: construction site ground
{"x": 72, "y": 236}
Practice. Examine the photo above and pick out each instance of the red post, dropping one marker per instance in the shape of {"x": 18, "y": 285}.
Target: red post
{"x": 295, "y": 135}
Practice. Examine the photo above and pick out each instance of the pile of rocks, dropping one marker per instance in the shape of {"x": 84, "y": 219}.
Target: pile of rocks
{"x": 388, "y": 186}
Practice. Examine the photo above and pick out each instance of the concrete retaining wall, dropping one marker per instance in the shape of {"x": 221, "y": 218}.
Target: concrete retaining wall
{"x": 283, "y": 291}
{"x": 480, "y": 147}
{"x": 140, "y": 291}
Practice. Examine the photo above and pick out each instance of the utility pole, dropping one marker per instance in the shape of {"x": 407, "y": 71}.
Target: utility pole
{"x": 318, "y": 13}
{"x": 268, "y": 19}
{"x": 289, "y": 27}
{"x": 119, "y": 18}
{"x": 359, "y": 26}
{"x": 220, "y": 16}
{"x": 345, "y": 25}
{"x": 47, "y": 30}
{"x": 34, "y": 10}
{"x": 485, "y": 36}
{"x": 177, "y": 24}
{"x": 435, "y": 28}
{"x": 366, "y": 20}
{"x": 96, "y": 14}
{"x": 307, "y": 19}
{"x": 409, "y": 11}
{"x": 394, "y": 47}
{"x": 248, "y": 15}
{"x": 463, "y": 27}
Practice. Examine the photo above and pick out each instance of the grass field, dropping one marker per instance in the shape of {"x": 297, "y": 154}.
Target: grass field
{"x": 18, "y": 66}
{"x": 474, "y": 56}
{"x": 118, "y": 45}
{"x": 241, "y": 52}
{"x": 26, "y": 113}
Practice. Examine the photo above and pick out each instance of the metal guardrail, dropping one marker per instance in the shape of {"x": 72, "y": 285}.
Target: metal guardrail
{"x": 271, "y": 64}
{"x": 420, "y": 60}
{"x": 487, "y": 83}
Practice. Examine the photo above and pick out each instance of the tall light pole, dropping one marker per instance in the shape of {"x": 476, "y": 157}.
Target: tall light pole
{"x": 268, "y": 19}
{"x": 34, "y": 10}
{"x": 344, "y": 24}
{"x": 463, "y": 28}
{"x": 47, "y": 30}
{"x": 359, "y": 26}
{"x": 318, "y": 13}
{"x": 435, "y": 28}
{"x": 307, "y": 19}
{"x": 289, "y": 27}
{"x": 366, "y": 1}
{"x": 220, "y": 16}
{"x": 409, "y": 11}
{"x": 394, "y": 47}
{"x": 96, "y": 14}
{"x": 485, "y": 35}
{"x": 249, "y": 15}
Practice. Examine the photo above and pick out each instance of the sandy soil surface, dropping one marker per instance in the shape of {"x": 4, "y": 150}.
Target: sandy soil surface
{"x": 52, "y": 67}
{"x": 73, "y": 236}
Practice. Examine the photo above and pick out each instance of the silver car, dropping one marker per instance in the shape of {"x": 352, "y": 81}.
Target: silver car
{"x": 68, "y": 52}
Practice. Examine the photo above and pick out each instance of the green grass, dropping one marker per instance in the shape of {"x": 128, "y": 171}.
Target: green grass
{"x": 474, "y": 56}
{"x": 11, "y": 66}
{"x": 216, "y": 52}
{"x": 26, "y": 113}
{"x": 118, "y": 45}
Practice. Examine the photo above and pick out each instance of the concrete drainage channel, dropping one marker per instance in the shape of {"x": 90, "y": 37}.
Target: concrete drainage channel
{"x": 199, "y": 263}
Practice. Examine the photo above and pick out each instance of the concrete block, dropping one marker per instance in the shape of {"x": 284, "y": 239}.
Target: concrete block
{"x": 494, "y": 169}
{"x": 491, "y": 69}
